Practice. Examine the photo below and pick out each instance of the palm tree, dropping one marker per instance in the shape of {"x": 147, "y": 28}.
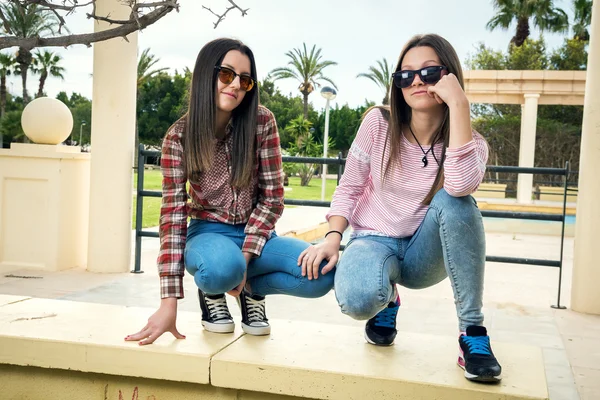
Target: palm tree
{"x": 145, "y": 63}
{"x": 582, "y": 19}
{"x": 144, "y": 73}
{"x": 543, "y": 13}
{"x": 26, "y": 21}
{"x": 305, "y": 68}
{"x": 46, "y": 64}
{"x": 7, "y": 67}
{"x": 304, "y": 145}
{"x": 381, "y": 75}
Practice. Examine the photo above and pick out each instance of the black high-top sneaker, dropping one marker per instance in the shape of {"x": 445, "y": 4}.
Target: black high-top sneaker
{"x": 215, "y": 314}
{"x": 254, "y": 316}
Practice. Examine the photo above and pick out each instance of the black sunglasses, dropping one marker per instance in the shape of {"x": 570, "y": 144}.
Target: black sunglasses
{"x": 428, "y": 75}
{"x": 227, "y": 75}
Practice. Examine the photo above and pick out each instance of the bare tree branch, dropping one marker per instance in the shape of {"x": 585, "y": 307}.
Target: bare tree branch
{"x": 87, "y": 38}
{"x": 142, "y": 14}
{"x": 221, "y": 17}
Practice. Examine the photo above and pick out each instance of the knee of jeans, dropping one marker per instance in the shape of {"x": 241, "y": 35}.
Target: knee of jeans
{"x": 360, "y": 308}
{"x": 218, "y": 280}
{"x": 321, "y": 286}
{"x": 450, "y": 205}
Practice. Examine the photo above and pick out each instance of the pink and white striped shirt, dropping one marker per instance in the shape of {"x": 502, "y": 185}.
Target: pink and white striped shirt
{"x": 395, "y": 208}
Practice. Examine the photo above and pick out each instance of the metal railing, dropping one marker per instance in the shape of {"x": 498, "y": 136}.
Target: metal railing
{"x": 340, "y": 162}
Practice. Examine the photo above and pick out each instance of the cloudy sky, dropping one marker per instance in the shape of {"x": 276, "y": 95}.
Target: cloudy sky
{"x": 354, "y": 33}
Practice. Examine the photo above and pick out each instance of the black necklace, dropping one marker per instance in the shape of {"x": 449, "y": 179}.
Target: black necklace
{"x": 424, "y": 159}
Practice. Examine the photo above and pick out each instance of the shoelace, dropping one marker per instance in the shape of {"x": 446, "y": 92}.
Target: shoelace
{"x": 387, "y": 317}
{"x": 218, "y": 308}
{"x": 478, "y": 344}
{"x": 255, "y": 309}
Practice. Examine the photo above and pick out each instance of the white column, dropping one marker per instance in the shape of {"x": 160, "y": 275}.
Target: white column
{"x": 527, "y": 146}
{"x": 585, "y": 296}
{"x": 113, "y": 128}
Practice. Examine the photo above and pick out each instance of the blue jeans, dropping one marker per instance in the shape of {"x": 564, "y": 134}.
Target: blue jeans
{"x": 214, "y": 258}
{"x": 450, "y": 242}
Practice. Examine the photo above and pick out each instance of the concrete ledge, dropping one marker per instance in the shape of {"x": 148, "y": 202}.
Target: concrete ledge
{"x": 54, "y": 384}
{"x": 76, "y": 350}
{"x": 309, "y": 234}
{"x": 90, "y": 338}
{"x": 552, "y": 193}
{"x": 334, "y": 362}
{"x": 491, "y": 190}
{"x": 515, "y": 207}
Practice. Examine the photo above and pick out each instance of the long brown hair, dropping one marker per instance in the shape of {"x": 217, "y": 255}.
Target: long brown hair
{"x": 399, "y": 113}
{"x": 199, "y": 136}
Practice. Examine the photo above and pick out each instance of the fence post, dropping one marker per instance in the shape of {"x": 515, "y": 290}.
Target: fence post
{"x": 562, "y": 238}
{"x": 339, "y": 172}
{"x": 139, "y": 207}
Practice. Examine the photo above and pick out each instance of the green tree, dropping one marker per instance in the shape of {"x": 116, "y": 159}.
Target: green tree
{"x": 81, "y": 109}
{"x": 582, "y": 19}
{"x": 159, "y": 105}
{"x": 10, "y": 126}
{"x": 285, "y": 108}
{"x": 381, "y": 74}
{"x": 307, "y": 68}
{"x": 26, "y": 21}
{"x": 303, "y": 145}
{"x": 542, "y": 13}
{"x": 531, "y": 55}
{"x": 486, "y": 58}
{"x": 7, "y": 67}
{"x": 144, "y": 68}
{"x": 558, "y": 126}
{"x": 146, "y": 62}
{"x": 572, "y": 56}
{"x": 343, "y": 125}
{"x": 46, "y": 64}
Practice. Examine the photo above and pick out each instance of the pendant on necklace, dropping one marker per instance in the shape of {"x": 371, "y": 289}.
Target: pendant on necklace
{"x": 425, "y": 162}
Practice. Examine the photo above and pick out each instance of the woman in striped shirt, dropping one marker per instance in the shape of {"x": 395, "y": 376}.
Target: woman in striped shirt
{"x": 406, "y": 194}
{"x": 227, "y": 149}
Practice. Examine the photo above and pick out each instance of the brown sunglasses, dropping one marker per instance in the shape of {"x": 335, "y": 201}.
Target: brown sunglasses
{"x": 227, "y": 75}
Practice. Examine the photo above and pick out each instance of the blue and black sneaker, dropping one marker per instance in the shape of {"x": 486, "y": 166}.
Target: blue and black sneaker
{"x": 476, "y": 356}
{"x": 381, "y": 329}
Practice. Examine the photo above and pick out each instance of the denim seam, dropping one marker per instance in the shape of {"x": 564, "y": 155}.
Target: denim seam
{"x": 301, "y": 281}
{"x": 450, "y": 262}
{"x": 258, "y": 292}
{"x": 382, "y": 279}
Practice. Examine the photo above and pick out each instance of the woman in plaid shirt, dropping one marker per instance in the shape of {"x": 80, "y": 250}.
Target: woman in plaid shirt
{"x": 227, "y": 149}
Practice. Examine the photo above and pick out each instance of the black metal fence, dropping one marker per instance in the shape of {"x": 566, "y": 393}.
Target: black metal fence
{"x": 340, "y": 162}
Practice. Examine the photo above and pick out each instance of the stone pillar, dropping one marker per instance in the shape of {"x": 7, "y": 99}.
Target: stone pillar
{"x": 44, "y": 200}
{"x": 113, "y": 132}
{"x": 527, "y": 146}
{"x": 585, "y": 296}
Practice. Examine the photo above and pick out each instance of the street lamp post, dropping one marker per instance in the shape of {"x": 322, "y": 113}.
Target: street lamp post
{"x": 80, "y": 132}
{"x": 329, "y": 94}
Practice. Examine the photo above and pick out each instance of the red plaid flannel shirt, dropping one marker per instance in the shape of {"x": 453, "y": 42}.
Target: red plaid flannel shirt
{"x": 211, "y": 197}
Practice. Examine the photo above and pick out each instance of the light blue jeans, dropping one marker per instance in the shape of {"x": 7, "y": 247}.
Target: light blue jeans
{"x": 450, "y": 242}
{"x": 214, "y": 258}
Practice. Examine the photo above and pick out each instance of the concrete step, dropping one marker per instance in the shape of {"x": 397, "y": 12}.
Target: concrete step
{"x": 77, "y": 350}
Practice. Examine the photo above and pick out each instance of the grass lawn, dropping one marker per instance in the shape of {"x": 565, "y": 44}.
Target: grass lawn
{"x": 153, "y": 180}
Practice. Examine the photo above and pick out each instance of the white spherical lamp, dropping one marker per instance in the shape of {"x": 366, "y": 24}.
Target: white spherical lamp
{"x": 47, "y": 121}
